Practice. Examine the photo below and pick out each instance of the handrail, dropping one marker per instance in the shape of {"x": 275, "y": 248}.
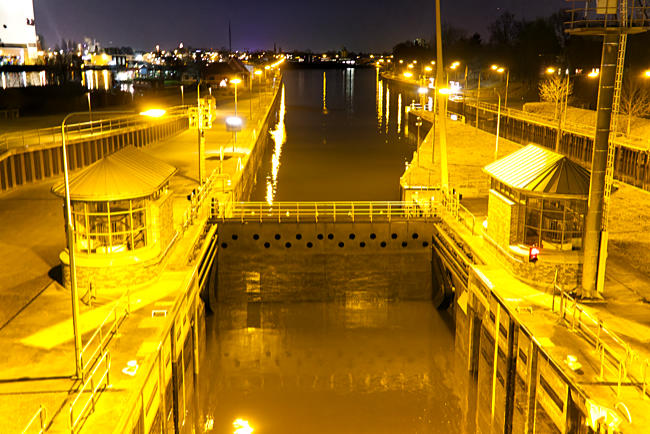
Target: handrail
{"x": 41, "y": 414}
{"x": 79, "y": 131}
{"x": 103, "y": 338}
{"x": 627, "y": 364}
{"x": 95, "y": 389}
{"x": 335, "y": 211}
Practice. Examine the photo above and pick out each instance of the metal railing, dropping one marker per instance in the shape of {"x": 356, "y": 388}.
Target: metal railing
{"x": 41, "y": 416}
{"x": 93, "y": 386}
{"x": 96, "y": 345}
{"x": 75, "y": 132}
{"x": 598, "y": 15}
{"x": 623, "y": 362}
{"x": 325, "y": 211}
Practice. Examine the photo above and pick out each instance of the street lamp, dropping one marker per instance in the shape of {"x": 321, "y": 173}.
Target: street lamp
{"x": 70, "y": 234}
{"x": 182, "y": 96}
{"x": 235, "y": 81}
{"x": 418, "y": 123}
{"x": 258, "y": 73}
{"x": 500, "y": 70}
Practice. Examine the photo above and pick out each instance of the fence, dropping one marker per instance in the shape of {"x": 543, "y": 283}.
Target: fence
{"x": 632, "y": 157}
{"x": 40, "y": 156}
{"x": 623, "y": 362}
{"x": 97, "y": 382}
{"x": 41, "y": 417}
{"x": 325, "y": 211}
{"x": 95, "y": 348}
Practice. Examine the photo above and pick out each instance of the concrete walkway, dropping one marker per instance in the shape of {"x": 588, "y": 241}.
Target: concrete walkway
{"x": 626, "y": 308}
{"x": 37, "y": 361}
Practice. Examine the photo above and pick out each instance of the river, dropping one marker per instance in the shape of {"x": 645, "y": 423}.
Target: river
{"x": 355, "y": 366}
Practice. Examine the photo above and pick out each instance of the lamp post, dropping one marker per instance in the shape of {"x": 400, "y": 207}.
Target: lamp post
{"x": 496, "y": 143}
{"x": 90, "y": 111}
{"x": 70, "y": 235}
{"x": 182, "y": 96}
{"x": 418, "y": 124}
{"x": 200, "y": 134}
{"x": 501, "y": 70}
{"x": 259, "y": 73}
{"x": 478, "y": 95}
{"x": 235, "y": 81}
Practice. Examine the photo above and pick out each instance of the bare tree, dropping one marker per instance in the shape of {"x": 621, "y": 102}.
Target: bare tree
{"x": 555, "y": 89}
{"x": 635, "y": 101}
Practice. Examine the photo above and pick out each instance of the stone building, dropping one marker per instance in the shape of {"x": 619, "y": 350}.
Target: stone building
{"x": 123, "y": 220}
{"x": 538, "y": 198}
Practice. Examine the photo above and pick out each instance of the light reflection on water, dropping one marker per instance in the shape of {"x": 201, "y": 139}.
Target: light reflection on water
{"x": 365, "y": 364}
{"x": 354, "y": 366}
{"x": 342, "y": 138}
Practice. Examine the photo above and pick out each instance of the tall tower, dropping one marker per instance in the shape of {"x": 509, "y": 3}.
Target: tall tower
{"x": 18, "y": 30}
{"x": 614, "y": 20}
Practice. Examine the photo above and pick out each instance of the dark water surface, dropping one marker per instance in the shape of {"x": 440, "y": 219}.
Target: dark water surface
{"x": 346, "y": 143}
{"x": 359, "y": 365}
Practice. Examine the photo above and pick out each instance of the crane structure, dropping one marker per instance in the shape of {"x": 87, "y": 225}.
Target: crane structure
{"x": 614, "y": 20}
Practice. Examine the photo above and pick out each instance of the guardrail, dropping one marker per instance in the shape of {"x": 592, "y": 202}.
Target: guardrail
{"x": 325, "y": 211}
{"x": 79, "y": 131}
{"x": 100, "y": 338}
{"x": 625, "y": 363}
{"x": 96, "y": 387}
{"x": 41, "y": 416}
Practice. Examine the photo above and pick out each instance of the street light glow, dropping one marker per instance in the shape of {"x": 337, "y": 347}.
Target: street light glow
{"x": 423, "y": 90}
{"x": 500, "y": 70}
{"x": 550, "y": 70}
{"x": 153, "y": 113}
{"x": 234, "y": 121}
{"x": 411, "y": 65}
{"x": 235, "y": 80}
{"x": 258, "y": 72}
{"x": 427, "y": 69}
{"x": 408, "y": 74}
{"x": 494, "y": 67}
{"x": 444, "y": 90}
{"x": 646, "y": 74}
{"x": 594, "y": 73}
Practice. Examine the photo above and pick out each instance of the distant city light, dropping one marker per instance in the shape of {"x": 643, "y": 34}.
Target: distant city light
{"x": 594, "y": 73}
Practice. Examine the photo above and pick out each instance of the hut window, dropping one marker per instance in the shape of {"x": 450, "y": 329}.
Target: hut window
{"x": 110, "y": 227}
{"x": 554, "y": 223}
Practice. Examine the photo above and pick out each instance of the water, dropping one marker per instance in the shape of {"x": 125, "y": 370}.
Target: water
{"x": 347, "y": 143}
{"x": 355, "y": 366}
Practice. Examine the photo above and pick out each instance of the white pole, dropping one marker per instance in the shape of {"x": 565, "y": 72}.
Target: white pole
{"x": 71, "y": 254}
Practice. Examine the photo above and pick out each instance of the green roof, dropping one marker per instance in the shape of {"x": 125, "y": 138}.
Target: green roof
{"x": 126, "y": 174}
{"x": 538, "y": 170}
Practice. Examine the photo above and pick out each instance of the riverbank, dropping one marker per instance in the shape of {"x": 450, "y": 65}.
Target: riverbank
{"x": 624, "y": 311}
{"x": 38, "y": 365}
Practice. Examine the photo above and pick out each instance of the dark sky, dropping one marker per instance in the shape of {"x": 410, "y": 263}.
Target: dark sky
{"x": 359, "y": 25}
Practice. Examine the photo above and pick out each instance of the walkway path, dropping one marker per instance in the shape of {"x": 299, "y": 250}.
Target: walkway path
{"x": 37, "y": 361}
{"x": 626, "y": 309}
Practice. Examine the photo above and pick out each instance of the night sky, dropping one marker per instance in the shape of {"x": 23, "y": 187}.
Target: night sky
{"x": 359, "y": 25}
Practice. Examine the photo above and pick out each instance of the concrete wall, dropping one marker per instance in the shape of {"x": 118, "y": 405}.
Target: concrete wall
{"x": 503, "y": 215}
{"x": 273, "y": 262}
{"x": 527, "y": 392}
